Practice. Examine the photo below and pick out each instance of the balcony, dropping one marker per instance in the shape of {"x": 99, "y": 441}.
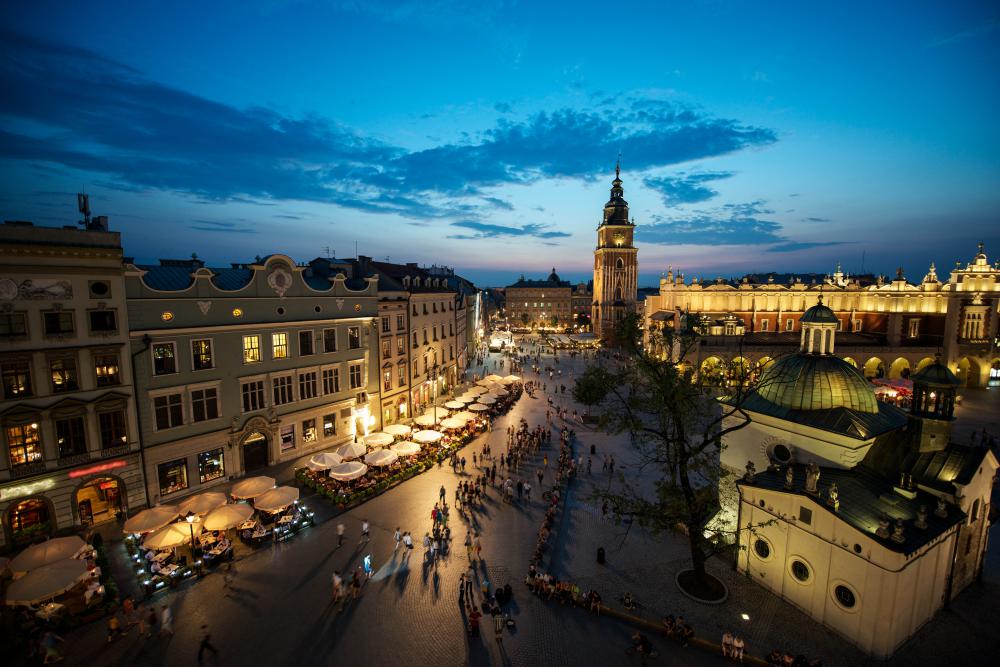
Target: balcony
{"x": 26, "y": 469}
{"x": 120, "y": 450}
{"x": 73, "y": 459}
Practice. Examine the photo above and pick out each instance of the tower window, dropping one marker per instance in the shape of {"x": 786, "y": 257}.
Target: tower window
{"x": 619, "y": 263}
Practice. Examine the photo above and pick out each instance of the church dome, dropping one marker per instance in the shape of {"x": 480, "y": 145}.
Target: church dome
{"x": 819, "y": 314}
{"x": 936, "y": 375}
{"x": 816, "y": 382}
{"x": 554, "y": 277}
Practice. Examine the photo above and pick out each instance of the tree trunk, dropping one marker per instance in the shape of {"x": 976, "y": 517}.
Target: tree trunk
{"x": 693, "y": 523}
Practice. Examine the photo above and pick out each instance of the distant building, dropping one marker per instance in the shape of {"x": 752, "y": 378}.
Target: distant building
{"x": 616, "y": 264}
{"x": 540, "y": 304}
{"x": 70, "y": 439}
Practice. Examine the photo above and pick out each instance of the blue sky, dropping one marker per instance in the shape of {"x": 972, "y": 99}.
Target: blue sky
{"x": 754, "y": 136}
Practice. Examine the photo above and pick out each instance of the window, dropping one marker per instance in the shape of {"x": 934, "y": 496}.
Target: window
{"x": 619, "y": 263}
{"x": 204, "y": 404}
{"x": 353, "y": 338}
{"x": 355, "y": 371}
{"x": 844, "y": 596}
{"x": 282, "y": 389}
{"x": 305, "y": 343}
{"x": 279, "y": 345}
{"x": 168, "y": 411}
{"x": 762, "y": 549}
{"x": 253, "y": 395}
{"x": 201, "y": 354}
{"x": 71, "y": 436}
{"x": 63, "y": 373}
{"x": 415, "y": 343}
{"x": 164, "y": 359}
{"x": 387, "y": 380}
{"x": 59, "y": 323}
{"x": 112, "y": 425}
{"x": 173, "y": 476}
{"x": 763, "y": 325}
{"x": 857, "y": 326}
{"x": 400, "y": 345}
{"x": 309, "y": 430}
{"x": 434, "y": 307}
{"x": 211, "y": 465}
{"x": 24, "y": 443}
{"x": 402, "y": 376}
{"x": 840, "y": 325}
{"x": 425, "y": 308}
{"x": 400, "y": 322}
{"x": 106, "y": 370}
{"x": 287, "y": 436}
{"x": 103, "y": 321}
{"x": 329, "y": 426}
{"x": 800, "y": 571}
{"x": 329, "y": 340}
{"x": 13, "y": 325}
{"x": 331, "y": 380}
{"x": 425, "y": 335}
{"x": 385, "y": 325}
{"x": 416, "y": 367}
{"x": 16, "y": 379}
{"x": 913, "y": 330}
{"x": 451, "y": 329}
{"x": 434, "y": 332}
{"x": 307, "y": 385}
{"x": 806, "y": 515}
{"x": 251, "y": 349}
{"x": 789, "y": 325}
{"x": 386, "y": 347}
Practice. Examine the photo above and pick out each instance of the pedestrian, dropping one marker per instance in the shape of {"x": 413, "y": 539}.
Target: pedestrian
{"x": 527, "y": 491}
{"x": 727, "y": 644}
{"x": 427, "y": 546}
{"x": 114, "y": 627}
{"x": 150, "y": 621}
{"x": 477, "y": 547}
{"x": 461, "y": 589}
{"x": 340, "y": 534}
{"x": 738, "y": 648}
{"x": 364, "y": 531}
{"x": 469, "y": 582}
{"x": 141, "y": 621}
{"x": 356, "y": 584}
{"x": 611, "y": 465}
{"x": 397, "y": 537}
{"x": 206, "y": 646}
{"x": 227, "y": 578}
{"x": 441, "y": 493}
{"x": 50, "y": 645}
{"x": 128, "y": 608}
{"x": 468, "y": 545}
{"x": 408, "y": 540}
{"x": 166, "y": 621}
{"x": 337, "y": 586}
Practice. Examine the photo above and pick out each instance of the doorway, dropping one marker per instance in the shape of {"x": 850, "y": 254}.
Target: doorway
{"x": 99, "y": 500}
{"x": 254, "y": 452}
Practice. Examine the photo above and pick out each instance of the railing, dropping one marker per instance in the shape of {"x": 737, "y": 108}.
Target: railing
{"x": 26, "y": 469}
{"x": 108, "y": 452}
{"x": 73, "y": 459}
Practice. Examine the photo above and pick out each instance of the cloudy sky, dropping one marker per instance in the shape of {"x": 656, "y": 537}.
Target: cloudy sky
{"x": 754, "y": 136}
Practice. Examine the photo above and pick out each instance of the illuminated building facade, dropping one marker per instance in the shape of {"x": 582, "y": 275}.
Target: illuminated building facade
{"x": 68, "y": 432}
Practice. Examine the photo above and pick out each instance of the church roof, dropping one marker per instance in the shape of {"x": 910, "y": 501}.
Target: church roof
{"x": 866, "y": 497}
{"x": 841, "y": 420}
{"x": 937, "y": 375}
{"x": 816, "y": 382}
{"x": 819, "y": 314}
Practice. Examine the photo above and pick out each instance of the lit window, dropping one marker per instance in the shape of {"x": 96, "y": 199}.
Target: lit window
{"x": 201, "y": 354}
{"x": 356, "y": 376}
{"x": 211, "y": 465}
{"x": 164, "y": 359}
{"x": 279, "y": 345}
{"x": 24, "y": 443}
{"x": 251, "y": 349}
{"x": 353, "y": 337}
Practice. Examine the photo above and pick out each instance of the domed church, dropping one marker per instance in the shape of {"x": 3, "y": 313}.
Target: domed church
{"x": 865, "y": 517}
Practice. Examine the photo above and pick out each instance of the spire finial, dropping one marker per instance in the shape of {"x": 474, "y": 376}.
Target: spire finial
{"x": 618, "y": 173}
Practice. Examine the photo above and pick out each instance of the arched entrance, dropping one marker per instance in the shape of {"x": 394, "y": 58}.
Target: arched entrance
{"x": 255, "y": 447}
{"x": 712, "y": 371}
{"x": 922, "y": 364}
{"x": 28, "y": 518}
{"x": 874, "y": 368}
{"x": 994, "y": 380}
{"x": 968, "y": 372}
{"x": 99, "y": 500}
{"x": 900, "y": 368}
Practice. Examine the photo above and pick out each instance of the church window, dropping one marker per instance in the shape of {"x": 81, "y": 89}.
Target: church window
{"x": 974, "y": 515}
{"x": 762, "y": 548}
{"x": 844, "y": 596}
{"x": 800, "y": 571}
{"x": 619, "y": 263}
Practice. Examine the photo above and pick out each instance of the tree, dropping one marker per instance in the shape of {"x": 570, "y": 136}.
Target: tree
{"x": 525, "y": 318}
{"x": 676, "y": 425}
{"x": 554, "y": 321}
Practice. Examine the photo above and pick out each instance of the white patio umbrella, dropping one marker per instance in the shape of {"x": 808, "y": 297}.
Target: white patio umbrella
{"x": 349, "y": 470}
{"x": 400, "y": 430}
{"x": 425, "y": 420}
{"x": 466, "y": 398}
{"x": 151, "y": 519}
{"x": 485, "y": 382}
{"x": 452, "y": 422}
{"x": 227, "y": 516}
{"x": 427, "y": 437}
{"x": 466, "y": 415}
{"x": 498, "y": 391}
{"x": 487, "y": 400}
{"x": 478, "y": 407}
{"x": 511, "y": 379}
{"x": 352, "y": 450}
{"x": 381, "y": 457}
{"x": 436, "y": 412}
{"x": 324, "y": 460}
{"x": 455, "y": 405}
{"x": 46, "y": 582}
{"x": 378, "y": 439}
{"x": 277, "y": 499}
{"x": 49, "y": 551}
{"x": 493, "y": 377}
{"x": 475, "y": 391}
{"x": 203, "y": 503}
{"x": 406, "y": 448}
{"x": 251, "y": 487}
{"x": 173, "y": 535}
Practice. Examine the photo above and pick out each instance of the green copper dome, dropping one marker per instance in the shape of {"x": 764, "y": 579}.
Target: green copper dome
{"x": 819, "y": 314}
{"x": 816, "y": 382}
{"x": 937, "y": 375}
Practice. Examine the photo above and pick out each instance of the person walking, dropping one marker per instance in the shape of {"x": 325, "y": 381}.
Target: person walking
{"x": 468, "y": 545}
{"x": 206, "y": 647}
{"x": 166, "y": 621}
{"x": 340, "y": 535}
{"x": 364, "y": 532}
{"x": 397, "y": 537}
{"x": 141, "y": 621}
{"x": 227, "y": 578}
{"x": 469, "y": 583}
{"x": 337, "y": 587}
{"x": 441, "y": 493}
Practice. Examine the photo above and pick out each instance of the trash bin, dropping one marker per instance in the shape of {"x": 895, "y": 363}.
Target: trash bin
{"x": 600, "y": 555}
{"x": 593, "y": 449}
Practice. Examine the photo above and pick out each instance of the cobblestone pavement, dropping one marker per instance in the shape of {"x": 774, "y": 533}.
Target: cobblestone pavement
{"x": 279, "y": 610}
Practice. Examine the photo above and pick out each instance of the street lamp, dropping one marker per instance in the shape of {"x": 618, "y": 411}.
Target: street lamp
{"x": 190, "y": 517}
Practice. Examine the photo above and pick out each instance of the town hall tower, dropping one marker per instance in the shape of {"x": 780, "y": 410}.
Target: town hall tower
{"x": 616, "y": 266}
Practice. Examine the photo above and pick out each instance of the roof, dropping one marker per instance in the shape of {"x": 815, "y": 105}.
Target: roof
{"x": 819, "y": 314}
{"x": 522, "y": 283}
{"x": 956, "y": 464}
{"x": 866, "y": 497}
{"x": 936, "y": 374}
{"x": 816, "y": 382}
{"x": 166, "y": 278}
{"x": 841, "y": 420}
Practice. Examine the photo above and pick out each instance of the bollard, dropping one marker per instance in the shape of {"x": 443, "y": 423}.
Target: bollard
{"x": 593, "y": 449}
{"x": 600, "y": 555}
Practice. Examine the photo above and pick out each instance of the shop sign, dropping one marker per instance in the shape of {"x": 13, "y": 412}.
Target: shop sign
{"x": 28, "y": 489}
{"x": 102, "y": 467}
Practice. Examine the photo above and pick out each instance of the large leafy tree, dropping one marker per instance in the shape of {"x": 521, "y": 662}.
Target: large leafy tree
{"x": 676, "y": 424}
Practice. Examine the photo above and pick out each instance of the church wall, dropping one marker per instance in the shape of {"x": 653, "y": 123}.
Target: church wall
{"x": 754, "y": 442}
{"x": 973, "y": 535}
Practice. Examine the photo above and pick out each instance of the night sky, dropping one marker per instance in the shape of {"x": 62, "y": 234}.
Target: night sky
{"x": 754, "y": 136}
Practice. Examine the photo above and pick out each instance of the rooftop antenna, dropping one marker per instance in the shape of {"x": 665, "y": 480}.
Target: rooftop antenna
{"x": 326, "y": 249}
{"x": 83, "y": 205}
{"x": 355, "y": 248}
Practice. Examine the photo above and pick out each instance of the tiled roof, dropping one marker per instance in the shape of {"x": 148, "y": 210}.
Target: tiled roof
{"x": 845, "y": 421}
{"x": 166, "y": 278}
{"x": 231, "y": 279}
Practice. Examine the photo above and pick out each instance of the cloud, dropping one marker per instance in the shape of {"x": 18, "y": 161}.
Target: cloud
{"x": 816, "y": 220}
{"x": 686, "y": 188}
{"x": 744, "y": 224}
{"x": 290, "y": 217}
{"x": 485, "y": 230}
{"x": 74, "y": 108}
{"x": 499, "y": 203}
{"x": 503, "y": 107}
{"x": 983, "y": 28}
